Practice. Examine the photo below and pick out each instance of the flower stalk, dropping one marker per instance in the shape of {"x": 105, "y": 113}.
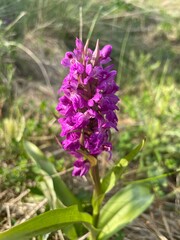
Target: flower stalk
{"x": 96, "y": 193}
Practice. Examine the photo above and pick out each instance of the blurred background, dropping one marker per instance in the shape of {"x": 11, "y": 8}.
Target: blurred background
{"x": 145, "y": 35}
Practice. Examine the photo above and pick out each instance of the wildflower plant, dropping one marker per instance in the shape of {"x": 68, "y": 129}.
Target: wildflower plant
{"x": 87, "y": 109}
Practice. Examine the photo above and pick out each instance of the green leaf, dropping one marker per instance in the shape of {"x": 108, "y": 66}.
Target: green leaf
{"x": 47, "y": 222}
{"x": 62, "y": 191}
{"x": 109, "y": 181}
{"x": 135, "y": 151}
{"x": 48, "y": 190}
{"x": 70, "y": 231}
{"x": 154, "y": 178}
{"x": 123, "y": 208}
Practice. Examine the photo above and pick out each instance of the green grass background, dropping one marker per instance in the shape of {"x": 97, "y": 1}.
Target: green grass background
{"x": 35, "y": 34}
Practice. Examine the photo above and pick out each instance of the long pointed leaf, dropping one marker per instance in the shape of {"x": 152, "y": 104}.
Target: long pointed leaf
{"x": 109, "y": 181}
{"x": 123, "y": 208}
{"x": 46, "y": 222}
{"x": 62, "y": 191}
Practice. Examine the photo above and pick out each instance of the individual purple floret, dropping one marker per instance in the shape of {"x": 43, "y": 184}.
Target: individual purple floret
{"x": 88, "y": 104}
{"x": 81, "y": 167}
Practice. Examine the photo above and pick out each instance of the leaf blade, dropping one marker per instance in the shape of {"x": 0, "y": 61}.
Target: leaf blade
{"x": 47, "y": 222}
{"x": 109, "y": 181}
{"x": 122, "y": 208}
{"x": 62, "y": 191}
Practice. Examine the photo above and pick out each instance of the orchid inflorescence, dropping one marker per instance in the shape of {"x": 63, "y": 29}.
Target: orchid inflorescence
{"x": 87, "y": 108}
{"x": 88, "y": 104}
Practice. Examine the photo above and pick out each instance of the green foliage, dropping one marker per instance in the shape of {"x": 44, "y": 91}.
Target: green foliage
{"x": 62, "y": 192}
{"x": 151, "y": 110}
{"x": 13, "y": 129}
{"x": 114, "y": 174}
{"x": 47, "y": 222}
{"x": 122, "y": 208}
{"x": 145, "y": 38}
{"x": 136, "y": 196}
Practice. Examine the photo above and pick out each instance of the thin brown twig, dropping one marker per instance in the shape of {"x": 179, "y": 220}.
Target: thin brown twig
{"x": 8, "y": 215}
{"x": 84, "y": 236}
{"x": 23, "y": 194}
{"x": 30, "y": 214}
{"x": 166, "y": 225}
{"x": 151, "y": 226}
{"x": 3, "y": 194}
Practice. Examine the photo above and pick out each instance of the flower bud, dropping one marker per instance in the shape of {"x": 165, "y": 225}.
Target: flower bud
{"x": 106, "y": 51}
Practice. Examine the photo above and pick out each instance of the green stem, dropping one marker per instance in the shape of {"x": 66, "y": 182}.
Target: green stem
{"x": 96, "y": 194}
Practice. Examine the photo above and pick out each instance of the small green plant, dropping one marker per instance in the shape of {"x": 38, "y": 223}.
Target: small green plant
{"x": 145, "y": 39}
{"x": 88, "y": 112}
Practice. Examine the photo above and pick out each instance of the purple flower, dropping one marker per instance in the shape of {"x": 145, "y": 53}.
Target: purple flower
{"x": 71, "y": 142}
{"x": 79, "y": 45}
{"x": 106, "y": 51}
{"x": 81, "y": 167}
{"x": 88, "y": 103}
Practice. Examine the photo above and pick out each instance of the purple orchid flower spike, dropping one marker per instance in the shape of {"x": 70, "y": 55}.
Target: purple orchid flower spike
{"x": 88, "y": 104}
